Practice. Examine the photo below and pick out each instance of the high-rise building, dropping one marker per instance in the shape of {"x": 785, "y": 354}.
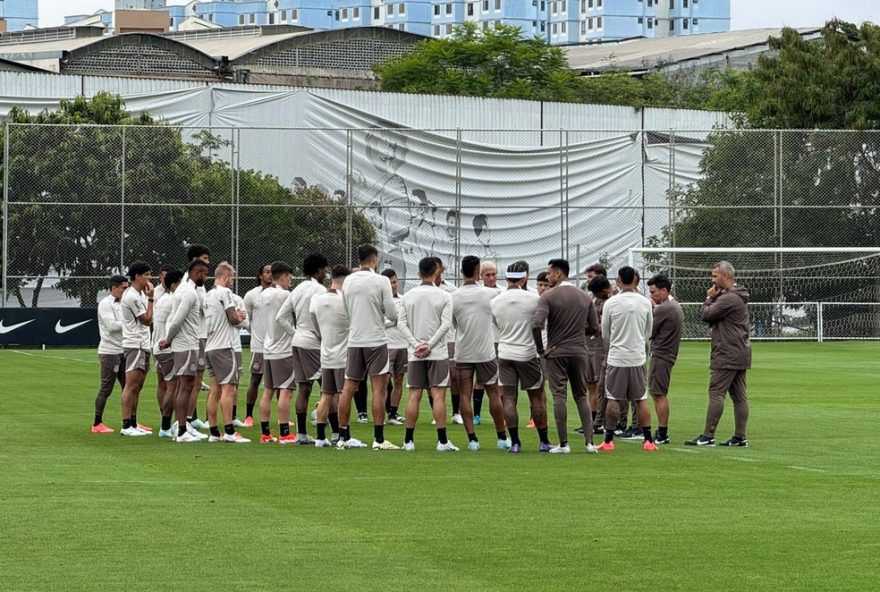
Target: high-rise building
{"x": 141, "y": 4}
{"x": 18, "y": 14}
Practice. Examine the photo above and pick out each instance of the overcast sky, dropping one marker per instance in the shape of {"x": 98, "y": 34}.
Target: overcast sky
{"x": 747, "y": 14}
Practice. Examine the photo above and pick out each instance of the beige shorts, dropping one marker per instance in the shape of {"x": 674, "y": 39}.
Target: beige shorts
{"x": 397, "y": 360}
{"x": 366, "y": 361}
{"x": 625, "y": 384}
{"x": 526, "y": 375}
{"x": 659, "y": 374}
{"x": 306, "y": 365}
{"x": 223, "y": 366}
{"x": 332, "y": 380}
{"x": 258, "y": 365}
{"x": 485, "y": 372}
{"x": 425, "y": 374}
{"x": 279, "y": 374}
{"x": 186, "y": 363}
{"x": 165, "y": 365}
{"x": 136, "y": 360}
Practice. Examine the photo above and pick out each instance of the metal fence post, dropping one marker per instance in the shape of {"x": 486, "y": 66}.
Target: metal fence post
{"x": 349, "y": 198}
{"x": 5, "y": 268}
{"x": 561, "y": 195}
{"x": 122, "y": 204}
{"x": 820, "y": 321}
{"x": 457, "y": 245}
{"x": 235, "y": 197}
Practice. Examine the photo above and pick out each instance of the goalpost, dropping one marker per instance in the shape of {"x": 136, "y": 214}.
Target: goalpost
{"x": 814, "y": 294}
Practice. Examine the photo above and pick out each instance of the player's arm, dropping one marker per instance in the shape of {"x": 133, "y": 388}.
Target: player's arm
{"x": 403, "y": 325}
{"x": 388, "y": 300}
{"x": 314, "y": 317}
{"x": 657, "y": 324}
{"x": 187, "y": 299}
{"x": 106, "y": 320}
{"x": 445, "y": 324}
{"x": 146, "y": 318}
{"x": 249, "y": 305}
{"x": 715, "y": 309}
{"x": 592, "y": 321}
{"x": 232, "y": 314}
{"x": 649, "y": 324}
{"x": 606, "y": 324}
{"x": 538, "y": 321}
{"x": 285, "y": 318}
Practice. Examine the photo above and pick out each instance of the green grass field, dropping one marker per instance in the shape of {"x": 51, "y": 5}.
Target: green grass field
{"x": 798, "y": 510}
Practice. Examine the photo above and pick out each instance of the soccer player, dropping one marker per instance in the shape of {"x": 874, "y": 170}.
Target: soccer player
{"x": 159, "y": 290}
{"x": 454, "y": 378}
{"x": 203, "y": 253}
{"x": 223, "y": 367}
{"x": 296, "y": 321}
{"x": 543, "y": 284}
{"x": 627, "y": 320}
{"x": 368, "y": 301}
{"x": 475, "y": 356}
{"x": 397, "y": 355}
{"x": 245, "y": 325}
{"x": 518, "y": 362}
{"x": 595, "y": 270}
{"x": 570, "y": 318}
{"x": 278, "y": 356}
{"x": 258, "y": 326}
{"x": 137, "y": 316}
{"x": 182, "y": 336}
{"x": 665, "y": 341}
{"x": 110, "y": 356}
{"x": 330, "y": 320}
{"x": 489, "y": 277}
{"x": 727, "y": 313}
{"x": 425, "y": 317}
{"x": 600, "y": 291}
{"x": 166, "y": 389}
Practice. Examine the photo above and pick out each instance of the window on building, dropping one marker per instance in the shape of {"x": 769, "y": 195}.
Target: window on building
{"x": 241, "y": 19}
{"x": 294, "y": 14}
{"x": 671, "y": 25}
{"x": 553, "y": 7}
{"x": 401, "y": 27}
{"x": 336, "y": 15}
{"x": 684, "y": 3}
{"x": 671, "y": 4}
{"x": 696, "y": 22}
{"x": 376, "y": 14}
{"x": 448, "y": 8}
{"x": 356, "y": 13}
{"x": 283, "y": 16}
{"x": 650, "y": 23}
{"x": 563, "y": 7}
{"x": 684, "y": 24}
{"x": 641, "y": 20}
{"x": 563, "y": 27}
{"x": 449, "y": 28}
{"x": 470, "y": 9}
{"x": 253, "y": 18}
{"x": 590, "y": 23}
{"x": 345, "y": 14}
{"x": 485, "y": 5}
{"x": 485, "y": 25}
{"x": 650, "y": 3}
{"x": 590, "y": 4}
{"x": 436, "y": 30}
{"x": 271, "y": 18}
{"x": 436, "y": 10}
{"x": 389, "y": 10}
{"x": 401, "y": 9}
{"x": 497, "y": 4}
{"x": 555, "y": 29}
{"x": 543, "y": 27}
{"x": 599, "y": 22}
{"x": 598, "y": 3}
{"x": 583, "y": 27}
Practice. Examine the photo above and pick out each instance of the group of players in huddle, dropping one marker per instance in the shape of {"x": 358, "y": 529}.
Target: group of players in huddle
{"x": 474, "y": 340}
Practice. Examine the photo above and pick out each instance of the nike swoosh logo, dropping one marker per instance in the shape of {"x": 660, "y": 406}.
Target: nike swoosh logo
{"x": 11, "y": 328}
{"x": 60, "y": 329}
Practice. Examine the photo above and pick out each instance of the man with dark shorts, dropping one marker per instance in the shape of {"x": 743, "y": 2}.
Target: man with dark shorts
{"x": 425, "y": 317}
{"x": 727, "y": 312}
{"x": 600, "y": 291}
{"x": 278, "y": 356}
{"x": 137, "y": 316}
{"x": 202, "y": 252}
{"x": 475, "y": 356}
{"x": 331, "y": 323}
{"x": 167, "y": 382}
{"x": 110, "y": 356}
{"x": 454, "y": 381}
{"x": 295, "y": 319}
{"x": 397, "y": 356}
{"x": 222, "y": 365}
{"x": 626, "y": 326}
{"x": 518, "y": 362}
{"x": 665, "y": 341}
{"x": 258, "y": 325}
{"x": 489, "y": 278}
{"x": 182, "y": 336}
{"x": 368, "y": 302}
{"x": 570, "y": 319}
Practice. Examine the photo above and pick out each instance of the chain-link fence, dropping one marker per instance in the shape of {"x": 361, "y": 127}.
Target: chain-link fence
{"x": 81, "y": 202}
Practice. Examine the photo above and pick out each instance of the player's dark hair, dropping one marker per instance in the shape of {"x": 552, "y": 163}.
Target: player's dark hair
{"x": 389, "y": 273}
{"x": 166, "y": 268}
{"x": 173, "y": 276}
{"x": 427, "y": 267}
{"x": 440, "y": 264}
{"x": 661, "y": 282}
{"x": 519, "y": 266}
{"x": 561, "y": 265}
{"x": 598, "y": 269}
{"x": 339, "y": 271}
{"x": 598, "y": 284}
{"x": 138, "y": 268}
{"x": 542, "y": 277}
{"x": 260, "y": 272}
{"x": 470, "y": 266}
{"x": 194, "y": 264}
{"x": 314, "y": 263}
{"x": 196, "y": 250}
{"x": 279, "y": 268}
{"x": 627, "y": 275}
{"x": 117, "y": 280}
{"x": 367, "y": 252}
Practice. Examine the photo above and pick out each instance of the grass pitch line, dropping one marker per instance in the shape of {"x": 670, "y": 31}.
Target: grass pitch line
{"x": 141, "y": 482}
{"x": 50, "y": 357}
{"x": 808, "y": 469}
{"x": 685, "y": 450}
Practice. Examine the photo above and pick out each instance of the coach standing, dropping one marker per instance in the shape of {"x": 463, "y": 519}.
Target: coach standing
{"x": 726, "y": 311}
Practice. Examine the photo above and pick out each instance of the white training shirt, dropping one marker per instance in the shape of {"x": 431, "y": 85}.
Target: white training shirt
{"x": 276, "y": 341}
{"x": 305, "y": 336}
{"x": 495, "y": 334}
{"x": 328, "y": 315}
{"x": 135, "y": 335}
{"x": 368, "y": 301}
{"x": 221, "y": 333}
{"x": 472, "y": 320}
{"x": 163, "y": 309}
{"x": 110, "y": 326}
{"x": 244, "y": 325}
{"x": 449, "y": 288}
{"x": 512, "y": 313}
{"x": 396, "y": 340}
{"x": 257, "y": 318}
{"x": 203, "y": 324}
{"x": 426, "y": 316}
{"x": 158, "y": 292}
{"x": 627, "y": 320}
{"x": 186, "y": 322}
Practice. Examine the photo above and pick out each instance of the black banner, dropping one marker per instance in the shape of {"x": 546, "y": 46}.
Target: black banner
{"x": 35, "y": 327}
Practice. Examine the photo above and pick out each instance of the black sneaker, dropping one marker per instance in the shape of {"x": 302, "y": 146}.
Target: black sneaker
{"x": 700, "y": 440}
{"x": 579, "y": 430}
{"x": 597, "y": 429}
{"x": 632, "y": 433}
{"x": 362, "y": 418}
{"x": 736, "y": 441}
{"x": 661, "y": 439}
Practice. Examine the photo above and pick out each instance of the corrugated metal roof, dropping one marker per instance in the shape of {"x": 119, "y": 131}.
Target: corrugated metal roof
{"x": 643, "y": 54}
{"x": 232, "y": 47}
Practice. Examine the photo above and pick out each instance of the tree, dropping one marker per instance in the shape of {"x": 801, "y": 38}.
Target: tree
{"x": 68, "y": 179}
{"x": 496, "y": 62}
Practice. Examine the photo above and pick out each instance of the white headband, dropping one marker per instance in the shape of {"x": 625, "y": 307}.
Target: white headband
{"x": 515, "y": 275}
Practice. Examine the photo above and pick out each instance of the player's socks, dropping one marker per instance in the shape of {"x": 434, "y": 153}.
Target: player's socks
{"x": 344, "y": 433}
{"x": 126, "y": 423}
{"x": 410, "y": 434}
{"x": 322, "y": 431}
{"x": 264, "y": 428}
{"x": 472, "y": 437}
{"x": 134, "y": 421}
{"x": 514, "y": 436}
{"x": 283, "y": 429}
{"x": 502, "y": 435}
{"x": 478, "y": 401}
{"x": 542, "y": 436}
{"x": 215, "y": 431}
{"x": 379, "y": 433}
{"x": 646, "y": 430}
{"x": 181, "y": 429}
{"x": 99, "y": 419}
{"x": 301, "y": 423}
{"x": 229, "y": 429}
{"x": 609, "y": 435}
{"x": 250, "y": 410}
{"x": 441, "y": 435}
{"x": 333, "y": 420}
{"x": 235, "y": 411}
{"x": 166, "y": 422}
{"x": 392, "y": 411}
{"x": 663, "y": 432}
{"x": 456, "y": 404}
